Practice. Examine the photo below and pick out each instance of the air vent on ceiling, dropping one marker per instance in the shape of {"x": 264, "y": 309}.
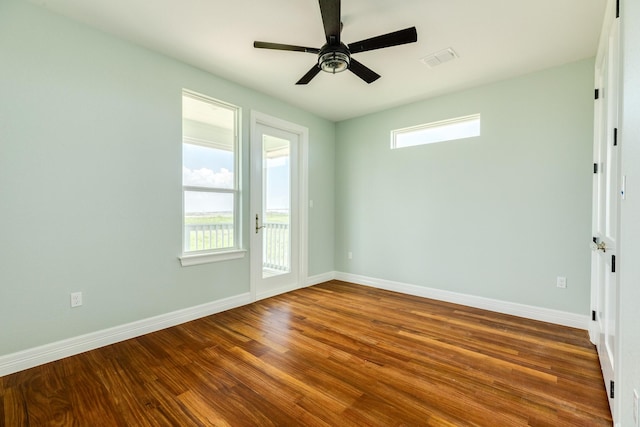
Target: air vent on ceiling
{"x": 439, "y": 57}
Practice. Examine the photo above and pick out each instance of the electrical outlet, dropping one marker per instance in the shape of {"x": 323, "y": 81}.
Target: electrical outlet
{"x": 349, "y": 255}
{"x": 636, "y": 410}
{"x": 561, "y": 282}
{"x": 76, "y": 299}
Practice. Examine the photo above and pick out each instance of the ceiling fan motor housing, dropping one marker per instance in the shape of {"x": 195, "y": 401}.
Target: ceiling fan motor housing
{"x": 334, "y": 59}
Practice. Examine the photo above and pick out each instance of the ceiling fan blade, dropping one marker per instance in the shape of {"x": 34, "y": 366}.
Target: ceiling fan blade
{"x": 310, "y": 75}
{"x": 363, "y": 72}
{"x": 408, "y": 35}
{"x": 279, "y": 46}
{"x": 330, "y": 10}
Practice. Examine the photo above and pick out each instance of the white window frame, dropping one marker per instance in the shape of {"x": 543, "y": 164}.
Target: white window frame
{"x": 441, "y": 125}
{"x": 236, "y": 251}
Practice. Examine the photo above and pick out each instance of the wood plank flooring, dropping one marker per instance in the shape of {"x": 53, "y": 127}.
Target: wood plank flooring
{"x": 335, "y": 354}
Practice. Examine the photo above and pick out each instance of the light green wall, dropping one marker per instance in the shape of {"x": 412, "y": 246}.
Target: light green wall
{"x": 90, "y": 181}
{"x": 90, "y": 130}
{"x": 497, "y": 216}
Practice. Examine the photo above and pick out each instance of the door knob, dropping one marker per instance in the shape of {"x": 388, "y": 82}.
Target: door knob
{"x": 602, "y": 246}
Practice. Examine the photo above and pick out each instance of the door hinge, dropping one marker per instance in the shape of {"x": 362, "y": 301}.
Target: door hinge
{"x": 617, "y": 8}
{"x": 595, "y": 168}
{"x": 612, "y": 389}
{"x": 597, "y": 94}
{"x": 615, "y": 136}
{"x": 613, "y": 263}
{"x": 593, "y": 315}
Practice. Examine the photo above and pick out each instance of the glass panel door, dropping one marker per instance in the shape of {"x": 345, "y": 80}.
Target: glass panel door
{"x": 276, "y": 202}
{"x": 275, "y": 209}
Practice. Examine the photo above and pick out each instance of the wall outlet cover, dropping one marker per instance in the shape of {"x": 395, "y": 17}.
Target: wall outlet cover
{"x": 76, "y": 299}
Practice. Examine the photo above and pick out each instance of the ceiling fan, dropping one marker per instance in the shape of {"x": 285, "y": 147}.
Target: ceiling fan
{"x": 335, "y": 56}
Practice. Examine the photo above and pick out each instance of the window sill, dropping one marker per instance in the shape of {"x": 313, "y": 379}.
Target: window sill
{"x": 209, "y": 257}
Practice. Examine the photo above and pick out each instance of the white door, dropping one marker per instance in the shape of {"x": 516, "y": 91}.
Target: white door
{"x": 606, "y": 199}
{"x": 278, "y": 217}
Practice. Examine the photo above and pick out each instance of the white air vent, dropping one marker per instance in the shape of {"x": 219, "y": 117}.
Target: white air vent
{"x": 439, "y": 57}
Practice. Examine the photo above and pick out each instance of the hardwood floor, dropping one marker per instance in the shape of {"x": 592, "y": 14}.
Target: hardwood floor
{"x": 335, "y": 354}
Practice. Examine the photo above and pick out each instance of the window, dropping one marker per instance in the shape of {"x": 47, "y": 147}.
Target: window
{"x": 210, "y": 179}
{"x": 445, "y": 130}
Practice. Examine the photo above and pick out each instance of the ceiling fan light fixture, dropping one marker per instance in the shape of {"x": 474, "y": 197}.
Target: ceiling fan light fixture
{"x": 334, "y": 62}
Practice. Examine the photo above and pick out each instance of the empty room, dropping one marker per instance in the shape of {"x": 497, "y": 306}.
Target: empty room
{"x": 319, "y": 213}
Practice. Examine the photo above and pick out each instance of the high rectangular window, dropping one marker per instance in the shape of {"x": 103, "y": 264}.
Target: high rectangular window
{"x": 429, "y": 133}
{"x": 210, "y": 180}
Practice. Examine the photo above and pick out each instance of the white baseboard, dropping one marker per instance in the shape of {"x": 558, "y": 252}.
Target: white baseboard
{"x": 30, "y": 358}
{"x": 278, "y": 291}
{"x": 529, "y": 312}
{"x": 321, "y": 278}
{"x": 58, "y": 350}
{"x": 312, "y": 280}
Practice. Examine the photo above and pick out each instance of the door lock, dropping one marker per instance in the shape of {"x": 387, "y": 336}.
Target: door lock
{"x": 258, "y": 226}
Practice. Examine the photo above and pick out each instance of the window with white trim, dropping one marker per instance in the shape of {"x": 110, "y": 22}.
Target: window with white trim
{"x": 210, "y": 178}
{"x": 430, "y": 133}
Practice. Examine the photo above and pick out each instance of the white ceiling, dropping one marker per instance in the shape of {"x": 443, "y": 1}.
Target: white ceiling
{"x": 495, "y": 39}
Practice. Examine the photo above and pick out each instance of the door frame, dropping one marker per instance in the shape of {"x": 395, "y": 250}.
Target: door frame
{"x": 258, "y": 118}
{"x": 603, "y": 117}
